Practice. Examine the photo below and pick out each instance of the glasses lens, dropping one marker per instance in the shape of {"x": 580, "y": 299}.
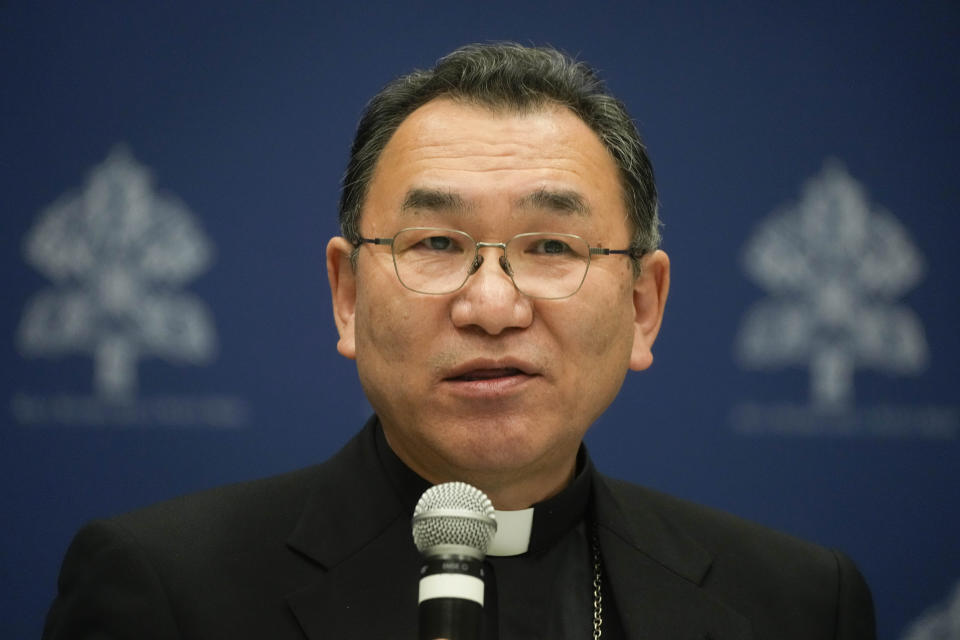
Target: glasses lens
{"x": 430, "y": 260}
{"x": 548, "y": 265}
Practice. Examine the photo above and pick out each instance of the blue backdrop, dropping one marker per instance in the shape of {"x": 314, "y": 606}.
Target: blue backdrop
{"x": 170, "y": 178}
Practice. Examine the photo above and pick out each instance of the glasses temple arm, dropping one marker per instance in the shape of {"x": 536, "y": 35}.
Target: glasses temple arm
{"x": 633, "y": 252}
{"x": 362, "y": 240}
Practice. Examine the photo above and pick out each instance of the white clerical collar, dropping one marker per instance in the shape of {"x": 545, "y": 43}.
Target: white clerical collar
{"x": 513, "y": 533}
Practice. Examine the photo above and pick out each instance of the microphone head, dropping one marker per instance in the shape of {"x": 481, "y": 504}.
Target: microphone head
{"x": 454, "y": 518}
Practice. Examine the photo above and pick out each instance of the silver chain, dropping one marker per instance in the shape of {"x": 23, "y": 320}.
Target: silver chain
{"x": 597, "y": 587}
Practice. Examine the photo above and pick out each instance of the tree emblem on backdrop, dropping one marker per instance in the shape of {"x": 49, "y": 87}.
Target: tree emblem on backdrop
{"x": 940, "y": 622}
{"x": 118, "y": 254}
{"x": 834, "y": 267}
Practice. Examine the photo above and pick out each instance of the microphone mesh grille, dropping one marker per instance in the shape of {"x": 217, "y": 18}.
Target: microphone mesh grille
{"x": 454, "y": 513}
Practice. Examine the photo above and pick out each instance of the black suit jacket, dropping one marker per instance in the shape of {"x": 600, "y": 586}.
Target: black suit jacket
{"x": 326, "y": 552}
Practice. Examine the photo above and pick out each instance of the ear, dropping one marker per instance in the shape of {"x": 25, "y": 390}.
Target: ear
{"x": 343, "y": 289}
{"x": 649, "y": 298}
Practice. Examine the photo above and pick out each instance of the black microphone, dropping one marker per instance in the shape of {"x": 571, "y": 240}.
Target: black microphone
{"x": 453, "y": 524}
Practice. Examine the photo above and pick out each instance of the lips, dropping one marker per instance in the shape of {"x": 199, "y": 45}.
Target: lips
{"x": 488, "y": 374}
{"x": 482, "y": 369}
{"x": 488, "y": 381}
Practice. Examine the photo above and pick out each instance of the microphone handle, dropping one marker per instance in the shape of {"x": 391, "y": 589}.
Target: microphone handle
{"x": 451, "y": 598}
{"x": 450, "y": 619}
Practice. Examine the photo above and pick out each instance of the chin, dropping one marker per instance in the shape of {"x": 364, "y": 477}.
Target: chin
{"x": 497, "y": 454}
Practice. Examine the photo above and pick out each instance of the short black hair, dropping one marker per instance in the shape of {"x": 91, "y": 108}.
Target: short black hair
{"x": 515, "y": 77}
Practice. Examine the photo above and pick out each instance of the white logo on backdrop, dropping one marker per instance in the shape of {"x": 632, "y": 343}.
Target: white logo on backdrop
{"x": 835, "y": 267}
{"x": 939, "y": 623}
{"x": 118, "y": 254}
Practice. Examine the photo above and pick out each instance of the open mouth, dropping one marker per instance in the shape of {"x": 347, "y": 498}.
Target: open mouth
{"x": 488, "y": 374}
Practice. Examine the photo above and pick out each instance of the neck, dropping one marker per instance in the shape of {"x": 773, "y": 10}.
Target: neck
{"x": 524, "y": 492}
{"x": 508, "y": 489}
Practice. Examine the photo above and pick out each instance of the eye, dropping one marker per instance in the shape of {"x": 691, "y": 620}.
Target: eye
{"x": 551, "y": 246}
{"x": 438, "y": 243}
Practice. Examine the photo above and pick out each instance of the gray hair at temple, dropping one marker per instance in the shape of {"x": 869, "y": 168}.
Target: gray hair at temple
{"x": 508, "y": 76}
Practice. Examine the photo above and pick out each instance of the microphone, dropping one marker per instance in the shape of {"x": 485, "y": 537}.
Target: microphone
{"x": 453, "y": 524}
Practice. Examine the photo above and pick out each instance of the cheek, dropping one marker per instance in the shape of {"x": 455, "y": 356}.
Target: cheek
{"x": 603, "y": 341}
{"x": 383, "y": 353}
{"x": 595, "y": 358}
{"x": 396, "y": 329}
{"x": 384, "y": 331}
{"x": 602, "y": 327}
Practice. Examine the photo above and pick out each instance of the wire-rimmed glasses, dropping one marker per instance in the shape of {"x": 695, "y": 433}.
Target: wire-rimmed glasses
{"x": 436, "y": 261}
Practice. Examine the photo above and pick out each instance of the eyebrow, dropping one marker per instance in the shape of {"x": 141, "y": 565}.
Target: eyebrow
{"x": 434, "y": 200}
{"x": 557, "y": 201}
{"x": 438, "y": 200}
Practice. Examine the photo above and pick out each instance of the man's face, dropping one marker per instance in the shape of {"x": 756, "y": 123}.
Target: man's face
{"x": 485, "y": 384}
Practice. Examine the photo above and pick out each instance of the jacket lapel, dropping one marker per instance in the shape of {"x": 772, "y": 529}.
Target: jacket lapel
{"x": 656, "y": 571}
{"x": 370, "y": 595}
{"x": 365, "y": 587}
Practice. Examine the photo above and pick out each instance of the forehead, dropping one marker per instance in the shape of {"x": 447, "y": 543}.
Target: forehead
{"x": 482, "y": 156}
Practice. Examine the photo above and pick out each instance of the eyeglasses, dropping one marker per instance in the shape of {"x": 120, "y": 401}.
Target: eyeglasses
{"x": 542, "y": 265}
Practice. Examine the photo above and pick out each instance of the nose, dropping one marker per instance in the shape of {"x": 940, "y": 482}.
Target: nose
{"x": 489, "y": 300}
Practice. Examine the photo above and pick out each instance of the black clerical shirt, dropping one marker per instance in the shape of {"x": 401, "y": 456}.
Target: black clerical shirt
{"x": 546, "y": 593}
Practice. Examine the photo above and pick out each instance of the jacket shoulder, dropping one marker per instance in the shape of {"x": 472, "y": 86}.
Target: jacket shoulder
{"x": 217, "y": 563}
{"x": 776, "y": 580}
{"x": 265, "y": 508}
{"x": 717, "y": 531}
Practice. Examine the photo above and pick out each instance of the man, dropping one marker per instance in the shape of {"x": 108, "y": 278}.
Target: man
{"x": 497, "y": 276}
